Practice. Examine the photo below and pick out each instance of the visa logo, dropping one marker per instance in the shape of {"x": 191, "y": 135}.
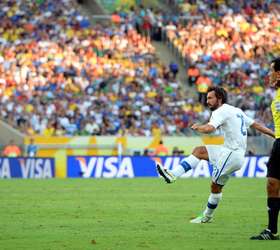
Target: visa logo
{"x": 106, "y": 167}
{"x": 36, "y": 168}
{"x": 253, "y": 167}
{"x": 26, "y": 168}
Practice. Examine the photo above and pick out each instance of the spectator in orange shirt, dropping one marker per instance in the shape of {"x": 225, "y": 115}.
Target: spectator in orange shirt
{"x": 193, "y": 74}
{"x": 161, "y": 150}
{"x": 11, "y": 150}
{"x": 115, "y": 18}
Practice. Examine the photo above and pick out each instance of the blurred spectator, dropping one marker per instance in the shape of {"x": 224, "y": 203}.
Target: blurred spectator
{"x": 146, "y": 152}
{"x": 11, "y": 150}
{"x": 177, "y": 152}
{"x": 32, "y": 149}
{"x": 161, "y": 150}
{"x": 174, "y": 68}
{"x": 250, "y": 152}
{"x": 193, "y": 74}
{"x": 203, "y": 83}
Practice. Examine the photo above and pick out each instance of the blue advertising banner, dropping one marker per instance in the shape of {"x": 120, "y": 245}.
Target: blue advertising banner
{"x": 141, "y": 166}
{"x": 26, "y": 168}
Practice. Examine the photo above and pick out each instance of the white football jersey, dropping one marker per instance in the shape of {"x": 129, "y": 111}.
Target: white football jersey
{"x": 233, "y": 123}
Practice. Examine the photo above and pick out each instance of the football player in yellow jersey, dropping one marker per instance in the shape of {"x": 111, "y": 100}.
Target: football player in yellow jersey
{"x": 273, "y": 165}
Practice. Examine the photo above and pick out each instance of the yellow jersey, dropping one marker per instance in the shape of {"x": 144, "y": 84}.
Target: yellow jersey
{"x": 275, "y": 108}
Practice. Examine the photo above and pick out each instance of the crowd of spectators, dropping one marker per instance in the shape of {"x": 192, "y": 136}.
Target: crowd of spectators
{"x": 231, "y": 46}
{"x": 59, "y": 76}
{"x": 148, "y": 21}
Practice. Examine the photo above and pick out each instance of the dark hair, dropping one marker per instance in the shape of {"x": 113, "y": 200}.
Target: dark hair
{"x": 220, "y": 93}
{"x": 276, "y": 64}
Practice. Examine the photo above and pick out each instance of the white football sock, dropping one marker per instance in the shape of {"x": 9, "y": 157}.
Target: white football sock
{"x": 213, "y": 201}
{"x": 190, "y": 162}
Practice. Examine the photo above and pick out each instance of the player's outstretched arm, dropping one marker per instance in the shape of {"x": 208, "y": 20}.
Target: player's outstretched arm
{"x": 206, "y": 128}
{"x": 263, "y": 129}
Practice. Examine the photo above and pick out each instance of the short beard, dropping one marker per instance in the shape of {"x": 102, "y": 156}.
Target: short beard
{"x": 213, "y": 108}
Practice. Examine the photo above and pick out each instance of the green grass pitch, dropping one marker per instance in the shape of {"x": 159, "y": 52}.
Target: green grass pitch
{"x": 129, "y": 214}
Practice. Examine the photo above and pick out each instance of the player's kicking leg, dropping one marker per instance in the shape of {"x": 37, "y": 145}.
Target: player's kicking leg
{"x": 190, "y": 162}
{"x": 167, "y": 175}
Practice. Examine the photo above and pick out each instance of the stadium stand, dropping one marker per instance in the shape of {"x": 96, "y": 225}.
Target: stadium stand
{"x": 61, "y": 77}
{"x": 231, "y": 46}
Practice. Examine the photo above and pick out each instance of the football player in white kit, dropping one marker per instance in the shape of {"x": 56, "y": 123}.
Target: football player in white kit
{"x": 226, "y": 158}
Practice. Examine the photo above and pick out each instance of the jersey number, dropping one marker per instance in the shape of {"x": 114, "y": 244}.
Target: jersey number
{"x": 243, "y": 129}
